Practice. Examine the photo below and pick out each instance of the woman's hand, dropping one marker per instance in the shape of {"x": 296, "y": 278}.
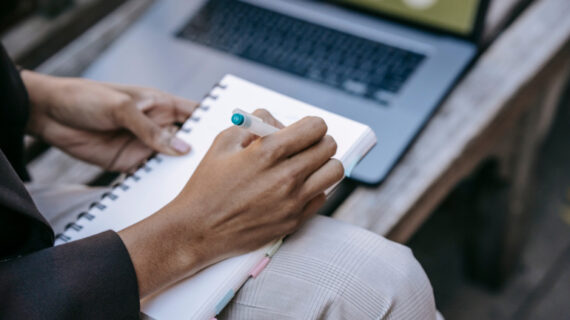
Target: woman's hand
{"x": 113, "y": 126}
{"x": 246, "y": 192}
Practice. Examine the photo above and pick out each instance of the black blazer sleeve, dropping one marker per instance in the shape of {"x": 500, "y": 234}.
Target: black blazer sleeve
{"x": 91, "y": 278}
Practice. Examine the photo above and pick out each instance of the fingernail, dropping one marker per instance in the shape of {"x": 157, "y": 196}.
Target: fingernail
{"x": 179, "y": 145}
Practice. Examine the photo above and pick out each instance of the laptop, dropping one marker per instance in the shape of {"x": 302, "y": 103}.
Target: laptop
{"x": 386, "y": 63}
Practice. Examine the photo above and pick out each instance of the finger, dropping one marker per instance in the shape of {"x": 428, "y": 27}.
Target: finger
{"x": 164, "y": 108}
{"x": 267, "y": 117}
{"x": 130, "y": 156}
{"x": 308, "y": 161}
{"x": 296, "y": 137}
{"x": 312, "y": 207}
{"x": 184, "y": 107}
{"x": 308, "y": 211}
{"x": 150, "y": 133}
{"x": 232, "y": 139}
{"x": 326, "y": 176}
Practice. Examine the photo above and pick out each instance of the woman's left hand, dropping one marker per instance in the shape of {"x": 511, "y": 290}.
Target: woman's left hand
{"x": 113, "y": 126}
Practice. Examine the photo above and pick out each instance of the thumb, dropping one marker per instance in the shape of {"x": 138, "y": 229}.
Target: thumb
{"x": 157, "y": 138}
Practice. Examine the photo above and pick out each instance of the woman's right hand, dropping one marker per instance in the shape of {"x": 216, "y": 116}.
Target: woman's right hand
{"x": 246, "y": 192}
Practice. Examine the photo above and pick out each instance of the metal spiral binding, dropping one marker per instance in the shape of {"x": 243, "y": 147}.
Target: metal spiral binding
{"x": 132, "y": 176}
{"x": 74, "y": 226}
{"x": 86, "y": 215}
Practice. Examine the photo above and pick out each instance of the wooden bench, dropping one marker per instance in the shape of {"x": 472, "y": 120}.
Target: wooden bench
{"x": 500, "y": 110}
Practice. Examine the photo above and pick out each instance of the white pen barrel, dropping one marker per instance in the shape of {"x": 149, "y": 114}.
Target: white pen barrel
{"x": 261, "y": 128}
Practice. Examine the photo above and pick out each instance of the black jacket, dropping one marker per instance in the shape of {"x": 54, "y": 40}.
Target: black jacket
{"x": 91, "y": 278}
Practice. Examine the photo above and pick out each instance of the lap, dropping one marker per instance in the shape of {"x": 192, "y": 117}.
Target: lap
{"x": 328, "y": 269}
{"x": 333, "y": 270}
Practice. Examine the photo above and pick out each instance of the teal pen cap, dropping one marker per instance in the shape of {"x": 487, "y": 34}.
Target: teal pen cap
{"x": 238, "y": 119}
{"x": 252, "y": 123}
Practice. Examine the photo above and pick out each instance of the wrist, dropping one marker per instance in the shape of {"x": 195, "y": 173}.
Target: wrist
{"x": 43, "y": 92}
{"x": 162, "y": 252}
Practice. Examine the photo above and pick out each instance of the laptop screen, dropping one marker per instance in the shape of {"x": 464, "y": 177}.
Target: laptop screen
{"x": 455, "y": 16}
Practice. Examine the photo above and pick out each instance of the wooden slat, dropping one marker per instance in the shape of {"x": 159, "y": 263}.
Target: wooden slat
{"x": 479, "y": 110}
{"x": 78, "y": 55}
{"x": 39, "y": 37}
{"x": 499, "y": 14}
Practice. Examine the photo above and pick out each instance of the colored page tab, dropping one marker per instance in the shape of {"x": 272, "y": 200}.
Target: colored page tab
{"x": 224, "y": 302}
{"x": 259, "y": 267}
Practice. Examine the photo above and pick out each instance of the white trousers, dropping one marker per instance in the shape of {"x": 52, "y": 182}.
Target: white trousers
{"x": 327, "y": 270}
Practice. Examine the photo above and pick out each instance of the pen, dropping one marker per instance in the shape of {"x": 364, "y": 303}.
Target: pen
{"x": 252, "y": 123}
{"x": 256, "y": 126}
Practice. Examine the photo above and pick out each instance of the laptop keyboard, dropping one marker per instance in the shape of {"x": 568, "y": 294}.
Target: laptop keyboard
{"x": 355, "y": 65}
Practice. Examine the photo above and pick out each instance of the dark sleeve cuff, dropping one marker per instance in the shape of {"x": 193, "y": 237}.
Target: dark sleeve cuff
{"x": 92, "y": 278}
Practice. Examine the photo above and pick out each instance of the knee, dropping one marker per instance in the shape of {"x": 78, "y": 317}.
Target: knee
{"x": 395, "y": 280}
{"x": 335, "y": 270}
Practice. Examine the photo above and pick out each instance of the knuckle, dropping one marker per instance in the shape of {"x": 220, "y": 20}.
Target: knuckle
{"x": 266, "y": 116}
{"x": 262, "y": 113}
{"x": 292, "y": 208}
{"x": 123, "y": 101}
{"x": 150, "y": 100}
{"x": 121, "y": 108}
{"x": 331, "y": 144}
{"x": 288, "y": 182}
{"x": 223, "y": 134}
{"x": 227, "y": 132}
{"x": 297, "y": 171}
{"x": 275, "y": 151}
{"x": 265, "y": 158}
{"x": 285, "y": 185}
{"x": 338, "y": 169}
{"x": 318, "y": 124}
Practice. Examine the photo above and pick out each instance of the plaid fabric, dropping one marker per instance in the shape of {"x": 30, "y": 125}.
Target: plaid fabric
{"x": 333, "y": 270}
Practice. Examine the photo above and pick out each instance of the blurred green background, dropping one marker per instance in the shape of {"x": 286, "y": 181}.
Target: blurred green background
{"x": 457, "y": 16}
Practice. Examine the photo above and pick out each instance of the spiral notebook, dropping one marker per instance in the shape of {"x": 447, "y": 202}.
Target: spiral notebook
{"x": 161, "y": 178}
